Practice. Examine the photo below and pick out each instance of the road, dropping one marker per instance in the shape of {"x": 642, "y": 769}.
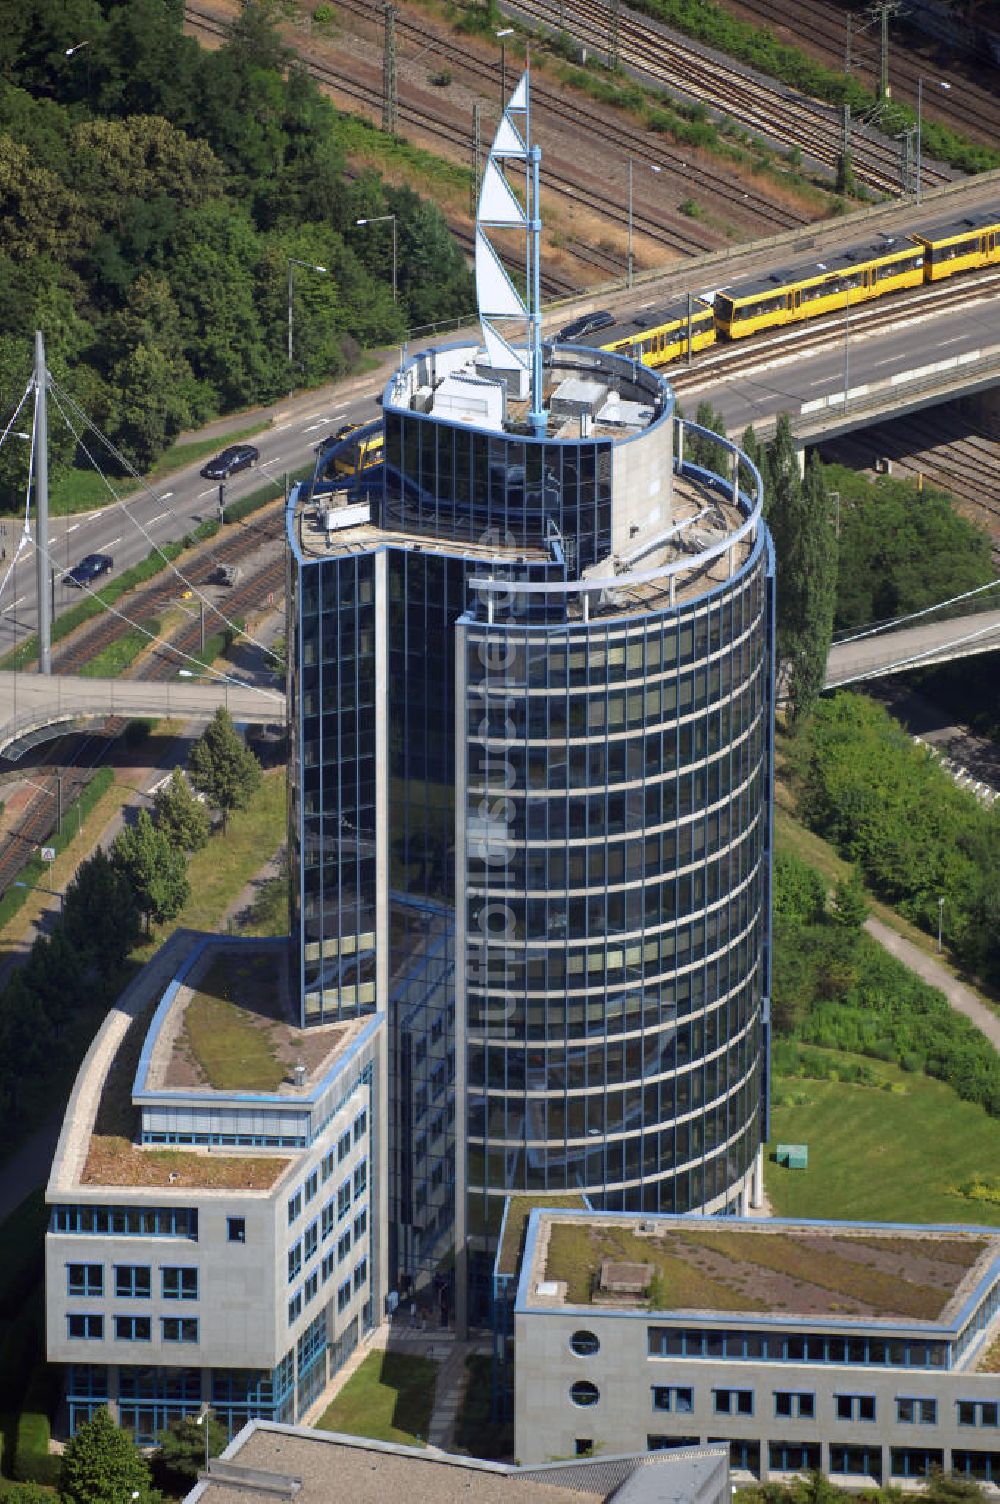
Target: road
{"x": 129, "y": 530}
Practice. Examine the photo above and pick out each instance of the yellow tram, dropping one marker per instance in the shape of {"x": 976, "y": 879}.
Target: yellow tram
{"x": 658, "y": 335}
{"x": 855, "y": 275}
{"x": 960, "y": 245}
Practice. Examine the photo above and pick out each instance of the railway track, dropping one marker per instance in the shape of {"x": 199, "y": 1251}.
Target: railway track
{"x": 677, "y": 233}
{"x": 646, "y": 47}
{"x": 576, "y": 112}
{"x": 971, "y": 107}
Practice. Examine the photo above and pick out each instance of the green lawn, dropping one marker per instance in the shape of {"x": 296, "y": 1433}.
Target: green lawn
{"x": 219, "y": 873}
{"x": 389, "y": 1398}
{"x": 894, "y": 1155}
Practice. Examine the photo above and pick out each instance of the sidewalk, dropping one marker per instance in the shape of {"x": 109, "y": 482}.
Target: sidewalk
{"x": 961, "y": 998}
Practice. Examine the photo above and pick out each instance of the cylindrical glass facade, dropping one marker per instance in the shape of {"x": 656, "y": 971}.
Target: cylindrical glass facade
{"x": 616, "y": 903}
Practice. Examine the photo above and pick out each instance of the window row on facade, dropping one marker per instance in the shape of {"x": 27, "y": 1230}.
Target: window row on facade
{"x": 133, "y": 1281}
{"x": 845, "y": 1459}
{"x": 780, "y": 1347}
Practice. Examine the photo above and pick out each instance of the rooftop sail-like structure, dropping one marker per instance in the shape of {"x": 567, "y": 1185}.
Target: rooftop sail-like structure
{"x": 500, "y": 208}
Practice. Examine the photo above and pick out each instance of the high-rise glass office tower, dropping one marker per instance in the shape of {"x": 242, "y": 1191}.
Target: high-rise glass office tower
{"x": 532, "y": 700}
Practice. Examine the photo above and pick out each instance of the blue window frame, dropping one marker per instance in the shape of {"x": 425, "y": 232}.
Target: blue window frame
{"x": 360, "y": 1125}
{"x": 361, "y": 1274}
{"x": 86, "y": 1326}
{"x": 84, "y": 1279}
{"x": 854, "y": 1406}
{"x": 236, "y": 1229}
{"x": 796, "y": 1404}
{"x": 133, "y": 1281}
{"x": 310, "y": 1241}
{"x": 982, "y": 1465}
{"x": 133, "y": 1329}
{"x": 294, "y": 1207}
{"x": 978, "y": 1412}
{"x": 310, "y": 1287}
{"x": 127, "y": 1221}
{"x": 343, "y": 1200}
{"x": 328, "y": 1220}
{"x": 344, "y": 1146}
{"x": 179, "y": 1328}
{"x": 312, "y": 1185}
{"x": 329, "y": 1161}
{"x": 916, "y": 1410}
{"x": 295, "y": 1307}
{"x": 679, "y": 1399}
{"x": 179, "y": 1282}
{"x": 343, "y": 1245}
{"x": 294, "y": 1260}
{"x": 857, "y": 1461}
{"x": 329, "y": 1265}
{"x": 344, "y": 1295}
{"x": 914, "y": 1462}
{"x": 361, "y": 1224}
{"x": 361, "y": 1179}
{"x": 794, "y": 1456}
{"x": 733, "y": 1401}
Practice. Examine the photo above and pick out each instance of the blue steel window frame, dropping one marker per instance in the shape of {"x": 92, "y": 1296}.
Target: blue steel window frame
{"x": 788, "y": 1404}
{"x": 674, "y": 1399}
{"x": 133, "y": 1328}
{"x": 90, "y": 1326}
{"x": 130, "y": 1276}
{"x": 180, "y": 1329}
{"x": 236, "y": 1229}
{"x": 727, "y": 1401}
{"x": 179, "y": 1281}
{"x": 126, "y": 1221}
{"x": 90, "y": 1282}
{"x": 914, "y": 1462}
{"x": 919, "y": 1404}
{"x": 343, "y": 1295}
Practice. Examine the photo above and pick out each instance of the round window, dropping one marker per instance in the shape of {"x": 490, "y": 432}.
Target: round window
{"x": 584, "y": 1344}
{"x": 584, "y": 1392}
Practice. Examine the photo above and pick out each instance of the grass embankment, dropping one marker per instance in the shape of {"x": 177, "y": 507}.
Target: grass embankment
{"x": 389, "y": 1398}
{"x": 220, "y": 872}
{"x": 895, "y": 1153}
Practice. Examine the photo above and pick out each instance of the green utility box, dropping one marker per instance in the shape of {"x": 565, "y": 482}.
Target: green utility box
{"x": 793, "y": 1156}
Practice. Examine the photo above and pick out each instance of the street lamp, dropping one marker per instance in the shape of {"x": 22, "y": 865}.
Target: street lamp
{"x": 77, "y": 47}
{"x": 939, "y": 83}
{"x": 653, "y": 168}
{"x": 502, "y": 35}
{"x": 37, "y": 888}
{"x": 381, "y": 219}
{"x": 201, "y": 1419}
{"x": 940, "y": 921}
{"x": 293, "y": 262}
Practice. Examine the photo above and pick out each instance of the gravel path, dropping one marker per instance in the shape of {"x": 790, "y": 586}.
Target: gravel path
{"x": 930, "y": 970}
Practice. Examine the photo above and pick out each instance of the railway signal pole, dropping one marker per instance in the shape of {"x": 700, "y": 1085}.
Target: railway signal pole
{"x": 614, "y": 9}
{"x": 389, "y": 98}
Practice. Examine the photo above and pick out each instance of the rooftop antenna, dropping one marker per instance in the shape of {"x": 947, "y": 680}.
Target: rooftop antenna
{"x": 499, "y": 207}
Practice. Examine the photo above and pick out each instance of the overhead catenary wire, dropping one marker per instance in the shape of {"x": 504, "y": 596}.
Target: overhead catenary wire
{"x": 123, "y": 505}
{"x": 25, "y": 529}
{"x": 163, "y": 642}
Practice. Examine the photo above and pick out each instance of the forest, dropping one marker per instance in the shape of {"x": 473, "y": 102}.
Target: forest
{"x": 152, "y": 194}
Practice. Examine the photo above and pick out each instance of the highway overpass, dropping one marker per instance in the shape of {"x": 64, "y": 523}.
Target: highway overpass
{"x": 33, "y": 705}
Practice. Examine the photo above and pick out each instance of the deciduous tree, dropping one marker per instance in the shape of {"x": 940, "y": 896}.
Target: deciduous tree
{"x": 102, "y": 1465}
{"x": 100, "y": 914}
{"x": 222, "y": 768}
{"x": 155, "y": 869}
{"x": 179, "y": 815}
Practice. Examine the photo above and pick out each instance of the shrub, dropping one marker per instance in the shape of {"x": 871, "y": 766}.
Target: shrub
{"x": 32, "y": 1460}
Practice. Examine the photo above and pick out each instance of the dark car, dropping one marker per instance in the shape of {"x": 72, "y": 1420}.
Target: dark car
{"x": 334, "y": 438}
{"x": 236, "y": 457}
{"x": 586, "y": 324}
{"x": 90, "y": 568}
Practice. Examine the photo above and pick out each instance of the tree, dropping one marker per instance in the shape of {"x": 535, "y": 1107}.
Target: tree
{"x": 811, "y": 578}
{"x": 155, "y": 869}
{"x": 102, "y": 1465}
{"x": 179, "y": 815}
{"x": 181, "y": 1453}
{"x": 222, "y": 768}
{"x": 850, "y": 907}
{"x": 100, "y": 914}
